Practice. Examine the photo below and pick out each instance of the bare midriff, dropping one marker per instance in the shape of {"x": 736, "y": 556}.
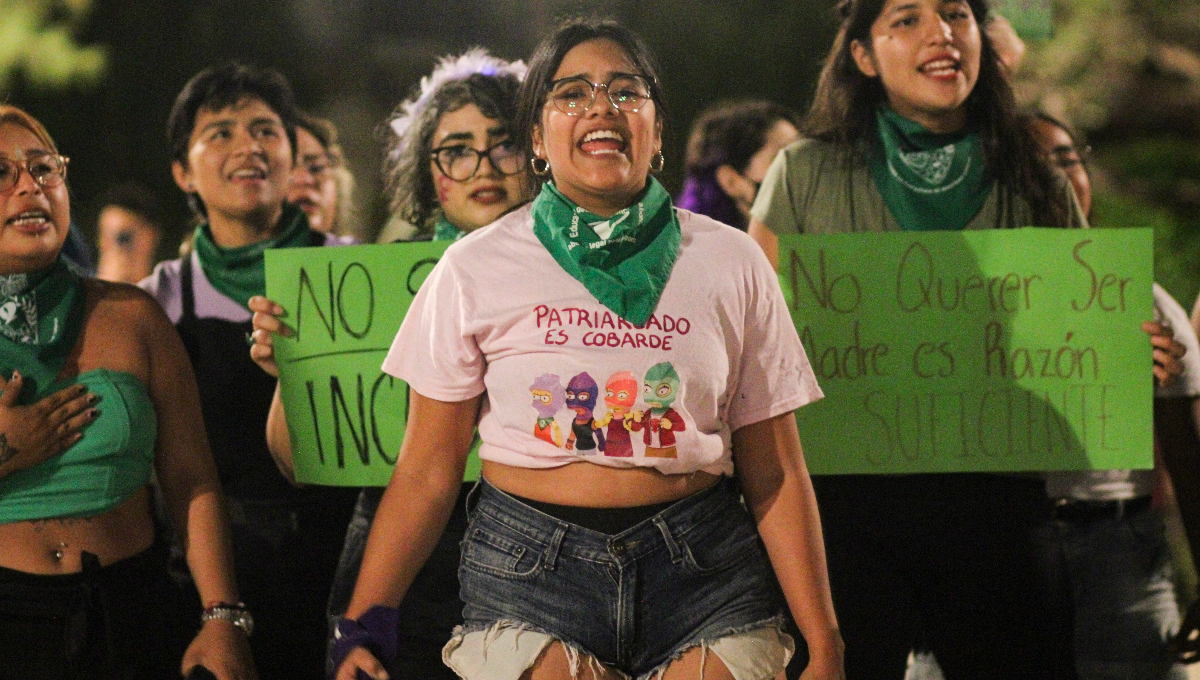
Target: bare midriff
{"x": 56, "y": 546}
{"x": 587, "y": 485}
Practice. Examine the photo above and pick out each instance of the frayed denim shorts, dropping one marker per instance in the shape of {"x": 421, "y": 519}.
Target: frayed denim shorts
{"x": 694, "y": 575}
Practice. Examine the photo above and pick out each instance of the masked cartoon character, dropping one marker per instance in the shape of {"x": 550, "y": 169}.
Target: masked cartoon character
{"x": 620, "y": 393}
{"x": 581, "y": 398}
{"x": 548, "y": 399}
{"x": 659, "y": 391}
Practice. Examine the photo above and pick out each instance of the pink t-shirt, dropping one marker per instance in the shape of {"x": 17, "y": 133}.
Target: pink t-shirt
{"x": 569, "y": 380}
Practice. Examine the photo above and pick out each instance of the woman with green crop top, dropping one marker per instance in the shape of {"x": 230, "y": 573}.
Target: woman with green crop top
{"x": 97, "y": 395}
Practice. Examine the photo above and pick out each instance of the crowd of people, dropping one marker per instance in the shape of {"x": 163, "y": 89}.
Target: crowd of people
{"x": 682, "y": 539}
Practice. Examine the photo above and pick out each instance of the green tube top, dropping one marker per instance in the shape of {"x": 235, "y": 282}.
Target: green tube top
{"x": 102, "y": 470}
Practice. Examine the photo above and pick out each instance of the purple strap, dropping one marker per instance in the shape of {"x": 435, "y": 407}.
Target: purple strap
{"x": 375, "y": 630}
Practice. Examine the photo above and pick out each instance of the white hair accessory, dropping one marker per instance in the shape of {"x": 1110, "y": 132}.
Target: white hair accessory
{"x": 449, "y": 68}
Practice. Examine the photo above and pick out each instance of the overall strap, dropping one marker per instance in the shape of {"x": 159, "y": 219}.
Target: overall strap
{"x": 187, "y": 293}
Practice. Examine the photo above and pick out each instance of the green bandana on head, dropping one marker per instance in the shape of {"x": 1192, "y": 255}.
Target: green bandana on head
{"x": 238, "y": 273}
{"x": 929, "y": 181}
{"x": 444, "y": 231}
{"x": 41, "y": 314}
{"x": 625, "y": 260}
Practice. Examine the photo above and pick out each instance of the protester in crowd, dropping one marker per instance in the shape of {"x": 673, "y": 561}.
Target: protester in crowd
{"x": 452, "y": 167}
{"x": 129, "y": 228}
{"x": 99, "y": 396}
{"x": 232, "y": 139}
{"x": 590, "y": 556}
{"x": 729, "y": 150}
{"x": 954, "y": 558}
{"x": 322, "y": 185}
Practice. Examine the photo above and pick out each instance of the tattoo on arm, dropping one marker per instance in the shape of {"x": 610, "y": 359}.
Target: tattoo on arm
{"x": 7, "y": 452}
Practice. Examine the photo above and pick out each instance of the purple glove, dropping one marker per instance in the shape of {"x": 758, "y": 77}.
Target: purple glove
{"x": 375, "y": 631}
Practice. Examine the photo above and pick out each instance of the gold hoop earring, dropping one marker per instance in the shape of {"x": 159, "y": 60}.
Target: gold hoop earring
{"x": 657, "y": 163}
{"x": 542, "y": 169}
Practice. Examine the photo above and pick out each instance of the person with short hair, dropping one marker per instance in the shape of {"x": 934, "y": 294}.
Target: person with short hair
{"x": 322, "y": 185}
{"x": 233, "y": 140}
{"x": 128, "y": 231}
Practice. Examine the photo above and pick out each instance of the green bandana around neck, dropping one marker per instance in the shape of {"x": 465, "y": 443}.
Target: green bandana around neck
{"x": 41, "y": 315}
{"x": 238, "y": 273}
{"x": 625, "y": 260}
{"x": 444, "y": 231}
{"x": 929, "y": 181}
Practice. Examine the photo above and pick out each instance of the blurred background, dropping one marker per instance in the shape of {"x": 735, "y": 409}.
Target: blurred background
{"x": 102, "y": 75}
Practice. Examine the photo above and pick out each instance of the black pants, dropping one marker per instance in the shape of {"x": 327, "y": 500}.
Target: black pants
{"x": 124, "y": 621}
{"x": 946, "y": 560}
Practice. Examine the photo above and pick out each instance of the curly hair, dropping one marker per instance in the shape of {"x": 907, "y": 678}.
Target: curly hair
{"x": 476, "y": 78}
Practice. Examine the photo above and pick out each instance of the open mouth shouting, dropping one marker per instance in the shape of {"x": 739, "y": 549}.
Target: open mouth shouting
{"x": 942, "y": 68}
{"x": 600, "y": 142}
{"x": 490, "y": 194}
{"x": 249, "y": 174}
{"x": 30, "y": 221}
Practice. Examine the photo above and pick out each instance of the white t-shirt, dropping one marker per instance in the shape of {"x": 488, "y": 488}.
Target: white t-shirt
{"x": 1111, "y": 485}
{"x": 567, "y": 379}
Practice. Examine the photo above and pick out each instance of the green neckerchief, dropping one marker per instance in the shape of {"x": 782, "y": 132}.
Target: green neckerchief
{"x": 41, "y": 314}
{"x": 625, "y": 260}
{"x": 238, "y": 273}
{"x": 928, "y": 181}
{"x": 444, "y": 231}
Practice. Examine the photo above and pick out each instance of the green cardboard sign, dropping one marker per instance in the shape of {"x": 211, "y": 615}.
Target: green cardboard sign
{"x": 346, "y": 417}
{"x": 997, "y": 350}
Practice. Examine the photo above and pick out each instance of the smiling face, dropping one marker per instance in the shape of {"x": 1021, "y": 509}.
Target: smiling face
{"x": 488, "y": 194}
{"x": 313, "y": 187}
{"x": 600, "y": 158}
{"x": 239, "y": 162}
{"x": 34, "y": 220}
{"x": 926, "y": 53}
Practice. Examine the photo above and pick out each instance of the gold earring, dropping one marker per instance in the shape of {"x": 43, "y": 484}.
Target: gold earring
{"x": 657, "y": 163}
{"x": 540, "y": 170}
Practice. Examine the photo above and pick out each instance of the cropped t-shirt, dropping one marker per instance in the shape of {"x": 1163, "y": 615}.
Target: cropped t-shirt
{"x": 568, "y": 380}
{"x": 103, "y": 469}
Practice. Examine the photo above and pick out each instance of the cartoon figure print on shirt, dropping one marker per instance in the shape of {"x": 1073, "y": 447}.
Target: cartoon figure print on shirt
{"x": 581, "y": 398}
{"x": 548, "y": 399}
{"x": 659, "y": 391}
{"x": 620, "y": 393}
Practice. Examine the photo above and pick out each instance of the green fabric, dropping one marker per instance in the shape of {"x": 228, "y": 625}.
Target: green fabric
{"x": 444, "y": 231}
{"x": 818, "y": 187}
{"x": 238, "y": 273}
{"x": 929, "y": 181}
{"x": 41, "y": 314}
{"x": 627, "y": 268}
{"x": 112, "y": 461}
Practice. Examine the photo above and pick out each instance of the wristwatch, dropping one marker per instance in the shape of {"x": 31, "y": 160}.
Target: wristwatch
{"x": 237, "y": 614}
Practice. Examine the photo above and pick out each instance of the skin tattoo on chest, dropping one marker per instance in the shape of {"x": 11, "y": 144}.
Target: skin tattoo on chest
{"x": 7, "y": 452}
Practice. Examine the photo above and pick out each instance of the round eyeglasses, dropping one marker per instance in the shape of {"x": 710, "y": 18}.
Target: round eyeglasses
{"x": 47, "y": 169}
{"x": 576, "y": 94}
{"x": 460, "y": 162}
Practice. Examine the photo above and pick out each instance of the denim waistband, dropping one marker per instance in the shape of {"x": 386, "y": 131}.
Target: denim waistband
{"x": 656, "y": 533}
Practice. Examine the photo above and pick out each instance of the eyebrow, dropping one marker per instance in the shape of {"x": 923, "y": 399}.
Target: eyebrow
{"x": 611, "y": 75}
{"x": 457, "y": 137}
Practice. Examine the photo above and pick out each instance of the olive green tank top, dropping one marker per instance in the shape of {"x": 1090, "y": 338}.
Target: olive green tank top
{"x": 102, "y": 470}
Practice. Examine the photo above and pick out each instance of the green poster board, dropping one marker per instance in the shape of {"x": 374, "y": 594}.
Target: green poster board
{"x": 997, "y": 350}
{"x": 1031, "y": 19}
{"x": 346, "y": 417}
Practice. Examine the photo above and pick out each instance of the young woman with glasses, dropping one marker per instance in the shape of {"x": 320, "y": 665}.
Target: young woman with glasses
{"x": 594, "y": 311}
{"x": 98, "y": 395}
{"x": 322, "y": 185}
{"x": 452, "y": 168}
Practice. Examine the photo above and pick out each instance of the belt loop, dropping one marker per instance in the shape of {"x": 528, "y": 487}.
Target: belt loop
{"x": 555, "y": 545}
{"x": 676, "y": 551}
{"x": 472, "y": 498}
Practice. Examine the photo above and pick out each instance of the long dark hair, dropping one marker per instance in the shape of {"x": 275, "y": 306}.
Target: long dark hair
{"x": 549, "y": 54}
{"x": 844, "y": 106}
{"x": 727, "y": 133}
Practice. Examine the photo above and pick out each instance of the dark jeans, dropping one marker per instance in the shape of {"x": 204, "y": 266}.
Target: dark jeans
{"x": 947, "y": 559}
{"x": 122, "y": 621}
{"x": 431, "y": 608}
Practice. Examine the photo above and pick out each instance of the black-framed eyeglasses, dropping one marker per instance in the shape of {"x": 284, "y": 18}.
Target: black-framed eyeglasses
{"x": 574, "y": 95}
{"x": 47, "y": 169}
{"x": 460, "y": 162}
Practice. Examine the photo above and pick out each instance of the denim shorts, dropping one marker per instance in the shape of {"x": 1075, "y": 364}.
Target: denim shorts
{"x": 694, "y": 575}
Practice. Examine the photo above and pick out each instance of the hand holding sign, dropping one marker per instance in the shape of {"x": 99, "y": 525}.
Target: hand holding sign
{"x": 266, "y": 326}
